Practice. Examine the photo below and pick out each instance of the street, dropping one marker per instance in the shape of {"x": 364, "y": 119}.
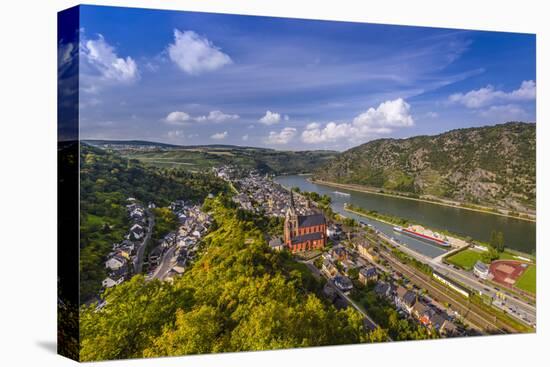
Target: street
{"x": 138, "y": 264}
{"x": 165, "y": 264}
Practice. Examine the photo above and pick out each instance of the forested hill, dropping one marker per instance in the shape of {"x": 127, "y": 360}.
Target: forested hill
{"x": 491, "y": 165}
{"x": 106, "y": 181}
{"x": 238, "y": 296}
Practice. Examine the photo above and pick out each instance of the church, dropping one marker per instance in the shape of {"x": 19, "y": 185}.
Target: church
{"x": 304, "y": 232}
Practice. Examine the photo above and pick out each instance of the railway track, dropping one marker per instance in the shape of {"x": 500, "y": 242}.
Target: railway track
{"x": 468, "y": 310}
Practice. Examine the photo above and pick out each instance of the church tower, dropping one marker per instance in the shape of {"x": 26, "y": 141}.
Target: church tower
{"x": 291, "y": 221}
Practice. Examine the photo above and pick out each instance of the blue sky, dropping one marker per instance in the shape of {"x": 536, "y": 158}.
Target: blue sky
{"x": 197, "y": 78}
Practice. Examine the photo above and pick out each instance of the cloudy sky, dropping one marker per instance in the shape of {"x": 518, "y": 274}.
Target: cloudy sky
{"x": 195, "y": 78}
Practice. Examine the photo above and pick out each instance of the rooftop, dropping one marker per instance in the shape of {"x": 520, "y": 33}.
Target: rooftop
{"x": 307, "y": 237}
{"x": 311, "y": 220}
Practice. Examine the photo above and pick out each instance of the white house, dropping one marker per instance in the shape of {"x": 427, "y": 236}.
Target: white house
{"x": 108, "y": 282}
{"x": 114, "y": 263}
{"x": 481, "y": 270}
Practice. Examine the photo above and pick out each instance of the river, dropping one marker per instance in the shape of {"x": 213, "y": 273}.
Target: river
{"x": 518, "y": 234}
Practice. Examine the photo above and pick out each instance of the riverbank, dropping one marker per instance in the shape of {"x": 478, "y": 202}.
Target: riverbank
{"x": 456, "y": 242}
{"x": 486, "y": 210}
{"x": 453, "y": 237}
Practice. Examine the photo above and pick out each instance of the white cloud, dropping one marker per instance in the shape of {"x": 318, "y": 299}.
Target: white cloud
{"x": 313, "y": 125}
{"x": 388, "y": 114}
{"x": 180, "y": 117}
{"x": 176, "y": 134}
{"x": 375, "y": 121}
{"x": 282, "y": 137}
{"x": 245, "y": 137}
{"x": 66, "y": 54}
{"x": 432, "y": 115}
{"x": 487, "y": 95}
{"x": 195, "y": 54}
{"x": 270, "y": 118}
{"x": 177, "y": 117}
{"x": 217, "y": 116}
{"x": 509, "y": 112}
{"x": 219, "y": 136}
{"x": 102, "y": 57}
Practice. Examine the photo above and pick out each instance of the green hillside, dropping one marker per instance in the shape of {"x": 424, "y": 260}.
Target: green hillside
{"x": 492, "y": 165}
{"x": 106, "y": 181}
{"x": 200, "y": 157}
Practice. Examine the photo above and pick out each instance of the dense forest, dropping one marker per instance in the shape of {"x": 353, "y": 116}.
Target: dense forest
{"x": 238, "y": 296}
{"x": 491, "y": 165}
{"x": 106, "y": 181}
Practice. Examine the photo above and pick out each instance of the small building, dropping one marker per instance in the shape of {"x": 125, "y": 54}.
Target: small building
{"x": 137, "y": 231}
{"x": 405, "y": 299}
{"x": 343, "y": 283}
{"x": 329, "y": 268}
{"x": 276, "y": 244}
{"x": 438, "y": 320}
{"x": 108, "y": 282}
{"x": 368, "y": 275}
{"x": 116, "y": 262}
{"x": 339, "y": 253}
{"x": 481, "y": 270}
{"x": 448, "y": 329}
{"x": 367, "y": 251}
{"x": 178, "y": 269}
{"x": 334, "y": 231}
{"x": 422, "y": 313}
{"x": 348, "y": 265}
{"x": 383, "y": 289}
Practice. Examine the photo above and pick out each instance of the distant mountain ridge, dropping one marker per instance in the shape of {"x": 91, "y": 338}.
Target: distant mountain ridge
{"x": 490, "y": 165}
{"x": 141, "y": 143}
{"x": 204, "y": 157}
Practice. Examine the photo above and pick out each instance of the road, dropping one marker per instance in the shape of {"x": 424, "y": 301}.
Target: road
{"x": 138, "y": 264}
{"x": 524, "y": 309}
{"x": 165, "y": 264}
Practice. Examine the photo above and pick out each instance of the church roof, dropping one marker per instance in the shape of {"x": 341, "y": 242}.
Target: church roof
{"x": 307, "y": 237}
{"x": 311, "y": 220}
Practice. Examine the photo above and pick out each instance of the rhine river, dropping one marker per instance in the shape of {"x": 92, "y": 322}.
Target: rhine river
{"x": 518, "y": 234}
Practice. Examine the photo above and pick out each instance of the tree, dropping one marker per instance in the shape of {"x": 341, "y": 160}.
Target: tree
{"x": 500, "y": 242}
{"x": 497, "y": 241}
{"x": 134, "y": 314}
{"x": 237, "y": 296}
{"x": 353, "y": 273}
{"x": 490, "y": 255}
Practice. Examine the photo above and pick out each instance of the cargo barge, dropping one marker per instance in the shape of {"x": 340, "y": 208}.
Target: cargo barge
{"x": 433, "y": 238}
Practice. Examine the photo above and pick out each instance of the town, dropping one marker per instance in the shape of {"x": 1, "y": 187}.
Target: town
{"x": 170, "y": 257}
{"x": 340, "y": 256}
{"x": 353, "y": 260}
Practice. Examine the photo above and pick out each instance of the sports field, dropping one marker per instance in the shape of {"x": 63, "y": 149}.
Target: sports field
{"x": 465, "y": 259}
{"x": 528, "y": 280}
